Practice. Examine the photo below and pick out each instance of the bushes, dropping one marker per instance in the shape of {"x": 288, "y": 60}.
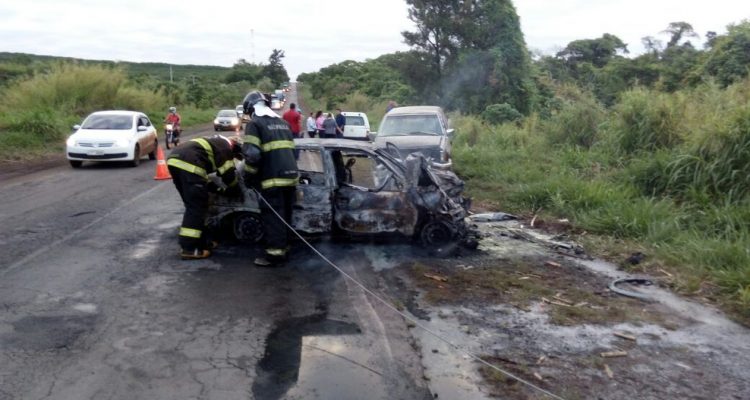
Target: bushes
{"x": 646, "y": 121}
{"x": 501, "y": 113}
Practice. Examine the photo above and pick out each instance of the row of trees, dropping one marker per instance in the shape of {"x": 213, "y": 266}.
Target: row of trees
{"x": 471, "y": 55}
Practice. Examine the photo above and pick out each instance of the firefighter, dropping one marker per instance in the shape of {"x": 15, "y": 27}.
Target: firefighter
{"x": 270, "y": 167}
{"x": 189, "y": 165}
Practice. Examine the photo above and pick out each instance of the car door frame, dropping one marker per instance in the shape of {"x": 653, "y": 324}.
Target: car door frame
{"x": 312, "y": 212}
{"x": 370, "y": 211}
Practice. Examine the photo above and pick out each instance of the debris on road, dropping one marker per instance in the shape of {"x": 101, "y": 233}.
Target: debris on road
{"x": 551, "y": 263}
{"x": 557, "y": 303}
{"x": 639, "y": 281}
{"x": 436, "y": 277}
{"x": 492, "y": 217}
{"x": 612, "y": 354}
{"x": 625, "y": 336}
{"x": 608, "y": 371}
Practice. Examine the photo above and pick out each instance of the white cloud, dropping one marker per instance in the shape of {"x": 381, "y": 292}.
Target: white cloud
{"x": 313, "y": 34}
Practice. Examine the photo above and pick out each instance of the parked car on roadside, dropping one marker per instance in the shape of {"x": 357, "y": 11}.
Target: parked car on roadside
{"x": 227, "y": 120}
{"x": 357, "y": 125}
{"x": 424, "y": 129}
{"x": 353, "y": 189}
{"x": 112, "y": 136}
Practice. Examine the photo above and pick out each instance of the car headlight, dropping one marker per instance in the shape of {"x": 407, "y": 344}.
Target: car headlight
{"x": 122, "y": 142}
{"x": 216, "y": 121}
{"x": 71, "y": 142}
{"x": 235, "y": 121}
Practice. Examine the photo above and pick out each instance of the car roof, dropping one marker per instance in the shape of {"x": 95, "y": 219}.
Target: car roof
{"x": 118, "y": 112}
{"x": 416, "y": 110}
{"x": 353, "y": 113}
{"x": 348, "y": 143}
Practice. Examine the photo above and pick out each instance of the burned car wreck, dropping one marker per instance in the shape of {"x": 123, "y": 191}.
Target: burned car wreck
{"x": 351, "y": 188}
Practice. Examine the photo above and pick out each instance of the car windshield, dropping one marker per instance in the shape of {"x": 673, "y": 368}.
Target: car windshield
{"x": 355, "y": 120}
{"x": 227, "y": 113}
{"x": 400, "y": 125}
{"x": 108, "y": 121}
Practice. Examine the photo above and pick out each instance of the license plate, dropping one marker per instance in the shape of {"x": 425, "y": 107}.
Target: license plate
{"x": 95, "y": 152}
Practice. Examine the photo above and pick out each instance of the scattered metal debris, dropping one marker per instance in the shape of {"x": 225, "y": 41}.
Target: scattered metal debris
{"x": 639, "y": 281}
{"x": 616, "y": 353}
{"x": 492, "y": 217}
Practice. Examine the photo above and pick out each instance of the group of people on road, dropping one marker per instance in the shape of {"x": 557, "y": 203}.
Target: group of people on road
{"x": 270, "y": 169}
{"x": 324, "y": 125}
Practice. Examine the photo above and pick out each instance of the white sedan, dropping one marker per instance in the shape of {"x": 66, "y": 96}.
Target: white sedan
{"x": 112, "y": 136}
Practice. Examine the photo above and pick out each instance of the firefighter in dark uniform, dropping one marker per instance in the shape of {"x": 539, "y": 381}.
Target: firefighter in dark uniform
{"x": 189, "y": 165}
{"x": 271, "y": 168}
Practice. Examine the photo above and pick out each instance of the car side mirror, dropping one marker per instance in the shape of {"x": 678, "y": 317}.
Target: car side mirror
{"x": 76, "y": 127}
{"x": 371, "y": 135}
{"x": 142, "y": 128}
{"x": 451, "y": 132}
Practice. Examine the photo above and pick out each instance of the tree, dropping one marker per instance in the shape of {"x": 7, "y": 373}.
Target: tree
{"x": 275, "y": 70}
{"x": 595, "y": 51}
{"x": 436, "y": 30}
{"x": 244, "y": 71}
{"x": 678, "y": 31}
{"x": 729, "y": 58}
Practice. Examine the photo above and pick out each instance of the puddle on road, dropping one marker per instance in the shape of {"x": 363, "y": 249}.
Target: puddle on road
{"x": 279, "y": 370}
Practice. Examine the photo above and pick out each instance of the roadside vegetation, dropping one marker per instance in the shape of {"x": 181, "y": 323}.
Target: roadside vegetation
{"x": 643, "y": 154}
{"x": 43, "y": 97}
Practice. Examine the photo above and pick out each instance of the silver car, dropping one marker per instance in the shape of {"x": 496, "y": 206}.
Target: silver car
{"x": 422, "y": 129}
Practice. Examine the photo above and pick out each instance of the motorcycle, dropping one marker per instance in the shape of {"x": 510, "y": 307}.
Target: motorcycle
{"x": 172, "y": 136}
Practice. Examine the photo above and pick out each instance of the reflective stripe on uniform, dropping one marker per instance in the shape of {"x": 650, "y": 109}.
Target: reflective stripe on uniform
{"x": 277, "y": 144}
{"x": 278, "y": 182}
{"x": 194, "y": 169}
{"x": 276, "y": 252}
{"x": 252, "y": 140}
{"x": 226, "y": 167}
{"x": 251, "y": 169}
{"x": 207, "y": 146}
{"x": 189, "y": 232}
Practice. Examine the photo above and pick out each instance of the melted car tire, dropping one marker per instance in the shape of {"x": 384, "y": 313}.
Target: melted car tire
{"x": 247, "y": 227}
{"x": 438, "y": 237}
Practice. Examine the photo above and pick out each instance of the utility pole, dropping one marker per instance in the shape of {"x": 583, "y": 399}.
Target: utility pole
{"x": 170, "y": 75}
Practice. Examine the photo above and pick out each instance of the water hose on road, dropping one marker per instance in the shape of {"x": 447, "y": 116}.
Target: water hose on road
{"x": 402, "y": 314}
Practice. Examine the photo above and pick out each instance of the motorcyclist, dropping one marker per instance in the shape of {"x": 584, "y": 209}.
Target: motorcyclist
{"x": 270, "y": 167}
{"x": 174, "y": 118}
{"x": 190, "y": 164}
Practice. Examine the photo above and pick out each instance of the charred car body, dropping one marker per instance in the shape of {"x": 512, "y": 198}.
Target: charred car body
{"x": 353, "y": 188}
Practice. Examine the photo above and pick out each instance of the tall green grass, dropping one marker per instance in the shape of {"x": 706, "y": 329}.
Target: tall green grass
{"x": 668, "y": 171}
{"x": 37, "y": 113}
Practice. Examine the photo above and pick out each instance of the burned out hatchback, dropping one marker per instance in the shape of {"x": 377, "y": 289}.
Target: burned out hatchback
{"x": 352, "y": 188}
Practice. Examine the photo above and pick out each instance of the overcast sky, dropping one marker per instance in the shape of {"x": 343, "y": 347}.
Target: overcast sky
{"x": 313, "y": 34}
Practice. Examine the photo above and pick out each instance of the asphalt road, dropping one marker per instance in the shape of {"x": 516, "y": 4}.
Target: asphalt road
{"x": 96, "y": 304}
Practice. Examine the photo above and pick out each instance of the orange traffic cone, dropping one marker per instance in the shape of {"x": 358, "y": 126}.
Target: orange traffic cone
{"x": 162, "y": 172}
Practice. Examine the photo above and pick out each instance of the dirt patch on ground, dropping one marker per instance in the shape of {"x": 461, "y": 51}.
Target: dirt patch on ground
{"x": 550, "y": 319}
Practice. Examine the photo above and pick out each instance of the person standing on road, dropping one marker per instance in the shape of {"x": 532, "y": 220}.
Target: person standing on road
{"x": 311, "y": 126}
{"x": 294, "y": 118}
{"x": 319, "y": 118}
{"x": 270, "y": 168}
{"x": 189, "y": 165}
{"x": 329, "y": 127}
{"x": 340, "y": 124}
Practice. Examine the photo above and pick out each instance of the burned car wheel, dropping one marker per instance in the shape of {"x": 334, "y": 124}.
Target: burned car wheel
{"x": 247, "y": 227}
{"x": 437, "y": 236}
